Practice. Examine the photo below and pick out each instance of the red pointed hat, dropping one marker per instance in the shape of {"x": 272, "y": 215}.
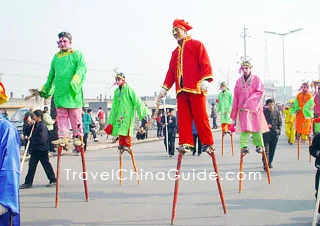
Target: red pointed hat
{"x": 182, "y": 24}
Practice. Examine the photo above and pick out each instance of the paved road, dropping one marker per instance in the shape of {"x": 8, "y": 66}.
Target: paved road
{"x": 288, "y": 200}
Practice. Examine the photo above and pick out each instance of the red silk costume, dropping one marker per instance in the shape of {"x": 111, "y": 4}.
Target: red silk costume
{"x": 189, "y": 65}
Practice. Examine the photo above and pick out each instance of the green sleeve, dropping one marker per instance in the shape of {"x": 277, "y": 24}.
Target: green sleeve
{"x": 113, "y": 108}
{"x": 80, "y": 74}
{"x": 48, "y": 88}
{"x": 308, "y": 108}
{"x": 142, "y": 109}
{"x": 295, "y": 107}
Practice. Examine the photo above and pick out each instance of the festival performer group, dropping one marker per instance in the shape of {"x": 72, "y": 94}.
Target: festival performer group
{"x": 190, "y": 72}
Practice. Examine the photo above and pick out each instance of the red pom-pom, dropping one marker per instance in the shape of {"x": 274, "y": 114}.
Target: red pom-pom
{"x": 108, "y": 129}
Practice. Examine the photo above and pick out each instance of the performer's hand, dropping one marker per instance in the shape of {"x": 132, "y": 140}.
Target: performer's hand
{"x": 163, "y": 92}
{"x": 204, "y": 85}
{"x": 3, "y": 210}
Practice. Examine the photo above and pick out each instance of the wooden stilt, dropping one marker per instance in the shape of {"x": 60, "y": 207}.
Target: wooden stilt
{"x": 298, "y": 147}
{"x": 266, "y": 163}
{"x": 215, "y": 167}
{"x": 84, "y": 170}
{"x": 58, "y": 176}
{"x": 222, "y": 145}
{"x": 176, "y": 188}
{"x": 232, "y": 145}
{"x": 134, "y": 165}
{"x": 120, "y": 171}
{"x": 241, "y": 171}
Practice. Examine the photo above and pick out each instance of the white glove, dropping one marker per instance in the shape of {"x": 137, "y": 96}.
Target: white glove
{"x": 163, "y": 92}
{"x": 3, "y": 210}
{"x": 204, "y": 85}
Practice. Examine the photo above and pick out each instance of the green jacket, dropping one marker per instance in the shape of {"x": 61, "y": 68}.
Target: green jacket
{"x": 86, "y": 121}
{"x": 122, "y": 114}
{"x": 65, "y": 80}
{"x": 225, "y": 106}
{"x": 307, "y": 109}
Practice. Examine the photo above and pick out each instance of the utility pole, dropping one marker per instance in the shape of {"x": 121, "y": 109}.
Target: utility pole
{"x": 244, "y": 35}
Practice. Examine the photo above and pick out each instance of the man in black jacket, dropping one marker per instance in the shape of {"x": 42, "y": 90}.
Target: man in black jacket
{"x": 270, "y": 139}
{"x": 171, "y": 124}
{"x": 314, "y": 150}
{"x": 39, "y": 152}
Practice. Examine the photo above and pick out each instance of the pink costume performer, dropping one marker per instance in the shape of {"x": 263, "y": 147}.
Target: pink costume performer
{"x": 247, "y": 109}
{"x": 317, "y": 100}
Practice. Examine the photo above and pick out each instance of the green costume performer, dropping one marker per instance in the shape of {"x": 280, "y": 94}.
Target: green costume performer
{"x": 65, "y": 80}
{"x": 224, "y": 107}
{"x": 122, "y": 114}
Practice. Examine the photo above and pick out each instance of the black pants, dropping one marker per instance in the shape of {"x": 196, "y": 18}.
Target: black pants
{"x": 51, "y": 138}
{"x": 94, "y": 134}
{"x": 171, "y": 143}
{"x": 159, "y": 131}
{"x": 214, "y": 123}
{"x": 85, "y": 141}
{"x": 195, "y": 141}
{"x": 41, "y": 156}
{"x": 270, "y": 146}
{"x": 317, "y": 184}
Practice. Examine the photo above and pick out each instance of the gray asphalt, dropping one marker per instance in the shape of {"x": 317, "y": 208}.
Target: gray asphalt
{"x": 288, "y": 200}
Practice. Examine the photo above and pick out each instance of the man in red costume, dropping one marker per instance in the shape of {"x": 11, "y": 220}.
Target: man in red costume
{"x": 190, "y": 70}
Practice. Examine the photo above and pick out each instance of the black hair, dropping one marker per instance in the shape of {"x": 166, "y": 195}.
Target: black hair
{"x": 89, "y": 110}
{"x": 38, "y": 113}
{"x": 269, "y": 101}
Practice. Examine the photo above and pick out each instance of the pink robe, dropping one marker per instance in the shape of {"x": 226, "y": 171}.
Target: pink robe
{"x": 317, "y": 103}
{"x": 247, "y": 107}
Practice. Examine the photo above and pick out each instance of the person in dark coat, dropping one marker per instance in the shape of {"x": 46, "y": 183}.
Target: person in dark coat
{"x": 171, "y": 124}
{"x": 314, "y": 151}
{"x": 214, "y": 116}
{"x": 196, "y": 140}
{"x": 39, "y": 147}
{"x": 270, "y": 139}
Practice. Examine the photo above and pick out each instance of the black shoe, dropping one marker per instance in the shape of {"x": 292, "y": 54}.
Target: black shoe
{"x": 245, "y": 150}
{"x": 25, "y": 186}
{"x": 259, "y": 149}
{"x": 51, "y": 184}
{"x": 194, "y": 153}
{"x": 184, "y": 148}
{"x": 207, "y": 148}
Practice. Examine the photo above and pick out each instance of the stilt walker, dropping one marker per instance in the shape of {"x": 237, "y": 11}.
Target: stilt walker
{"x": 247, "y": 111}
{"x": 303, "y": 109}
{"x": 9, "y": 169}
{"x": 121, "y": 118}
{"x": 190, "y": 70}
{"x": 224, "y": 108}
{"x": 65, "y": 81}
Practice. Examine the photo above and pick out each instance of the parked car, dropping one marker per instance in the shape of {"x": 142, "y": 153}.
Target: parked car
{"x": 17, "y": 121}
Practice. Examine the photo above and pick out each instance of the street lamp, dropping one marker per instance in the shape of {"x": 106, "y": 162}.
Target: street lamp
{"x": 283, "y": 66}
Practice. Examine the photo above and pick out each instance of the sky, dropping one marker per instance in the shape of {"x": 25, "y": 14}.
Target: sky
{"x": 136, "y": 37}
